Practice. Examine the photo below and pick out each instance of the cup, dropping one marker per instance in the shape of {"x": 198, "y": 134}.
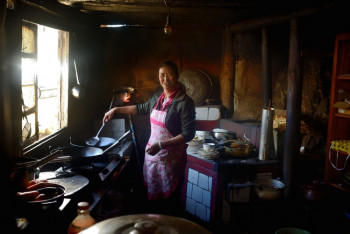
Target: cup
{"x": 209, "y": 147}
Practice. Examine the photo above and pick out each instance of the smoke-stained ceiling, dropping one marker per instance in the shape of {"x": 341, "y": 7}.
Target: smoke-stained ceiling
{"x": 185, "y": 13}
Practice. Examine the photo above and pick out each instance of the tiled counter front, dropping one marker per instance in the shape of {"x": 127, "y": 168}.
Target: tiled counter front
{"x": 205, "y": 181}
{"x": 202, "y": 195}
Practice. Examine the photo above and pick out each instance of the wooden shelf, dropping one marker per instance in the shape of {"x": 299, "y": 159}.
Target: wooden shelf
{"x": 342, "y": 115}
{"x": 338, "y": 123}
{"x": 340, "y": 152}
{"x": 340, "y": 186}
{"x": 343, "y": 77}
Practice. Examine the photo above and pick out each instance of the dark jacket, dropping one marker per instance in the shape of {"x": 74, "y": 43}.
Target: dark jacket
{"x": 181, "y": 113}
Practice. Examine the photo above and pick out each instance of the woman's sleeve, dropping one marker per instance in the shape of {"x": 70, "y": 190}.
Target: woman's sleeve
{"x": 188, "y": 117}
{"x": 145, "y": 108}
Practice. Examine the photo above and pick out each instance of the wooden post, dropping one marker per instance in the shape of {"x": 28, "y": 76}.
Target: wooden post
{"x": 226, "y": 77}
{"x": 266, "y": 69}
{"x": 294, "y": 87}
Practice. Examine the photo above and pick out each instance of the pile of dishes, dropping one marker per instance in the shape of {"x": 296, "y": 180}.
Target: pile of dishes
{"x": 194, "y": 146}
{"x": 208, "y": 154}
{"x": 208, "y": 151}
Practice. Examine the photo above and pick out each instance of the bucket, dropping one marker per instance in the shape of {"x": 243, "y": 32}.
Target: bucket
{"x": 289, "y": 230}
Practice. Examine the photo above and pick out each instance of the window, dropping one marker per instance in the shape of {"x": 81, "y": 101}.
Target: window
{"x": 45, "y": 53}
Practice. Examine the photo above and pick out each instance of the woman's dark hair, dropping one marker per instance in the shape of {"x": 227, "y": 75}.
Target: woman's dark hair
{"x": 170, "y": 64}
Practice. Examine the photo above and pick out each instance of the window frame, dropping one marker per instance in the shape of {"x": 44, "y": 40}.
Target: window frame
{"x": 34, "y": 141}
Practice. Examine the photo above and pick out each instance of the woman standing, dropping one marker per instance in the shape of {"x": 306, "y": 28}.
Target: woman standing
{"x": 172, "y": 117}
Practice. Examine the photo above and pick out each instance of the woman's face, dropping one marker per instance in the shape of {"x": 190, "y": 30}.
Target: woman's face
{"x": 167, "y": 78}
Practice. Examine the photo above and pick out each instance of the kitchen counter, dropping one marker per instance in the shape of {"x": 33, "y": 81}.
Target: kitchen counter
{"x": 57, "y": 220}
{"x": 224, "y": 163}
{"x": 206, "y": 182}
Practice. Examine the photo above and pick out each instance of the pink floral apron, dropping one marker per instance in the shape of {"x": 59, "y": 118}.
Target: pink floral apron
{"x": 163, "y": 171}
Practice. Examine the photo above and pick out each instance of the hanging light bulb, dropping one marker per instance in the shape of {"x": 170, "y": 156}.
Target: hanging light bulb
{"x": 167, "y": 28}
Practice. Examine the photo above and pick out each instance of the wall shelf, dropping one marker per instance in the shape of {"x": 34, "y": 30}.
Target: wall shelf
{"x": 338, "y": 124}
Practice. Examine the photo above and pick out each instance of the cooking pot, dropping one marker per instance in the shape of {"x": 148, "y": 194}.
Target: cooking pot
{"x": 269, "y": 189}
{"x": 220, "y": 134}
{"x": 237, "y": 152}
{"x": 53, "y": 199}
{"x": 145, "y": 223}
{"x": 86, "y": 154}
{"x": 314, "y": 191}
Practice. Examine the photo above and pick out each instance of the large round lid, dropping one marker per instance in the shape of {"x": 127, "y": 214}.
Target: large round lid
{"x": 145, "y": 223}
{"x": 198, "y": 85}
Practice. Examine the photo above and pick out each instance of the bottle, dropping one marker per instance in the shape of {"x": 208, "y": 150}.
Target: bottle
{"x": 83, "y": 219}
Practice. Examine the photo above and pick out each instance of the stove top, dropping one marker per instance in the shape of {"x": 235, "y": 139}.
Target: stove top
{"x": 99, "y": 171}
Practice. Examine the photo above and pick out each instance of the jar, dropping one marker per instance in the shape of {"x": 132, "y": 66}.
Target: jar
{"x": 83, "y": 219}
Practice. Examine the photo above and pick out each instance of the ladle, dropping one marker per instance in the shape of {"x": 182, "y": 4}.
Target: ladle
{"x": 77, "y": 90}
{"x": 94, "y": 140}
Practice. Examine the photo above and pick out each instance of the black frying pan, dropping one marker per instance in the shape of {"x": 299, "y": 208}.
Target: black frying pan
{"x": 86, "y": 154}
{"x": 103, "y": 143}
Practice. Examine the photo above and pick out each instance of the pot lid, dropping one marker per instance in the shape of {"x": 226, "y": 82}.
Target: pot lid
{"x": 145, "y": 223}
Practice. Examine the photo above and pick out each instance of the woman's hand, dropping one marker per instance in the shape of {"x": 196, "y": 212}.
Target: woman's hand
{"x": 153, "y": 149}
{"x": 109, "y": 115}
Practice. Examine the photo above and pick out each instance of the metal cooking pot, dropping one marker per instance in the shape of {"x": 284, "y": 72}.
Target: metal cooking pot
{"x": 269, "y": 189}
{"x": 314, "y": 191}
{"x": 145, "y": 223}
{"x": 54, "y": 198}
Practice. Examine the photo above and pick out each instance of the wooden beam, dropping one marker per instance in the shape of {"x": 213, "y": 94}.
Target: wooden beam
{"x": 275, "y": 19}
{"x": 266, "y": 69}
{"x": 294, "y": 87}
{"x": 226, "y": 74}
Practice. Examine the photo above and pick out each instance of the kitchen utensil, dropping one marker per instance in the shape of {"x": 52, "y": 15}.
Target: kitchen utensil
{"x": 52, "y": 199}
{"x": 269, "y": 189}
{"x": 103, "y": 143}
{"x": 94, "y": 140}
{"x": 77, "y": 90}
{"x": 209, "y": 147}
{"x": 238, "y": 151}
{"x": 21, "y": 175}
{"x": 145, "y": 223}
{"x": 314, "y": 191}
{"x": 201, "y": 135}
{"x": 85, "y": 155}
{"x": 220, "y": 133}
{"x": 72, "y": 184}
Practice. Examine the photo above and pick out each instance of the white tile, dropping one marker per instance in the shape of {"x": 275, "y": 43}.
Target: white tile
{"x": 197, "y": 194}
{"x": 203, "y": 181}
{"x": 201, "y": 113}
{"x": 210, "y": 183}
{"x": 201, "y": 211}
{"x": 214, "y": 113}
{"x": 193, "y": 176}
{"x": 208, "y": 214}
{"x": 206, "y": 198}
{"x": 191, "y": 206}
{"x": 189, "y": 190}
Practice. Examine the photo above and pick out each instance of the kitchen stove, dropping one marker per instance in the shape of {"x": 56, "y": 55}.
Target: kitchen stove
{"x": 100, "y": 170}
